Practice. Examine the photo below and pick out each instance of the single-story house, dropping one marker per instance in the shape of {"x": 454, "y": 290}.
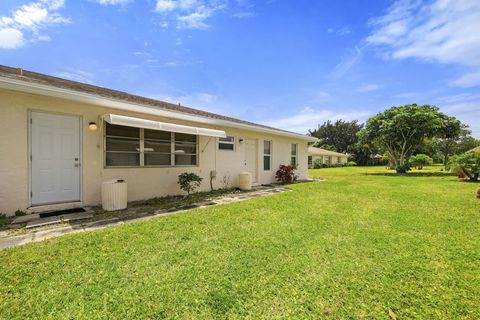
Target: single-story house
{"x": 325, "y": 157}
{"x": 61, "y": 139}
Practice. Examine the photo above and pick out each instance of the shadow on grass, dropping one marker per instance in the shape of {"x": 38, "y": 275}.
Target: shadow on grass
{"x": 412, "y": 174}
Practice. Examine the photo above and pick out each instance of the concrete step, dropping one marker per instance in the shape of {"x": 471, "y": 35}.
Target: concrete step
{"x": 40, "y": 222}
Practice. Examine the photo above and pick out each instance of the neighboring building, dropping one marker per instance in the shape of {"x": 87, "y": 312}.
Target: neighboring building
{"x": 325, "y": 157}
{"x": 61, "y": 139}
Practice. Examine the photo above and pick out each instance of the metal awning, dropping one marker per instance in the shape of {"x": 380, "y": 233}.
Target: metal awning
{"x": 162, "y": 126}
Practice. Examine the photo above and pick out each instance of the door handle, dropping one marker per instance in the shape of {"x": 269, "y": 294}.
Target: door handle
{"x": 77, "y": 165}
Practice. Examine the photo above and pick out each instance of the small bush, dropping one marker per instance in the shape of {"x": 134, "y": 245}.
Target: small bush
{"x": 350, "y": 164}
{"x": 189, "y": 182}
{"x": 420, "y": 160}
{"x": 404, "y": 168}
{"x": 468, "y": 164}
{"x": 20, "y": 213}
{"x": 3, "y": 220}
{"x": 285, "y": 174}
{"x": 317, "y": 164}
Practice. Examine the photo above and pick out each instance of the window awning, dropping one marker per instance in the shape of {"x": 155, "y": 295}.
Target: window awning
{"x": 162, "y": 126}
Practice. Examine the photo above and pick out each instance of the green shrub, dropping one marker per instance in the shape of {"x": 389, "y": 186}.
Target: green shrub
{"x": 467, "y": 164}
{"x": 420, "y": 160}
{"x": 4, "y": 220}
{"x": 20, "y": 213}
{"x": 350, "y": 164}
{"x": 189, "y": 182}
{"x": 317, "y": 164}
{"x": 404, "y": 168}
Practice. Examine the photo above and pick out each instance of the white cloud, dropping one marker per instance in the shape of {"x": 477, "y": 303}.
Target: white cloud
{"x": 464, "y": 106}
{"x": 28, "y": 20}
{"x": 310, "y": 118}
{"x": 194, "y": 14}
{"x": 113, "y": 2}
{"x": 76, "y": 75}
{"x": 369, "y": 87}
{"x": 341, "y": 31}
{"x": 244, "y": 14}
{"x": 165, "y": 5}
{"x": 347, "y": 63}
{"x": 11, "y": 38}
{"x": 196, "y": 19}
{"x": 468, "y": 80}
{"x": 442, "y": 31}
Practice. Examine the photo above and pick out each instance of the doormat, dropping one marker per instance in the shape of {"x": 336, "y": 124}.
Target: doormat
{"x": 60, "y": 212}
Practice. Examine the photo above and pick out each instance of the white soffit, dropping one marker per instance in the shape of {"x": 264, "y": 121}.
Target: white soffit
{"x": 52, "y": 91}
{"x": 163, "y": 126}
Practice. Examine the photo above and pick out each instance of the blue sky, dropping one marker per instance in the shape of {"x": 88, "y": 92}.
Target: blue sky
{"x": 287, "y": 63}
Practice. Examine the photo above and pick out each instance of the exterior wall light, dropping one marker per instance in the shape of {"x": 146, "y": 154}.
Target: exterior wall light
{"x": 92, "y": 126}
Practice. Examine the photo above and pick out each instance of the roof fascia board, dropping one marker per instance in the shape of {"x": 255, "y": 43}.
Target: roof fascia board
{"x": 51, "y": 91}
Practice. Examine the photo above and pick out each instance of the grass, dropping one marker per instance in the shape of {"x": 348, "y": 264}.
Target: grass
{"x": 354, "y": 247}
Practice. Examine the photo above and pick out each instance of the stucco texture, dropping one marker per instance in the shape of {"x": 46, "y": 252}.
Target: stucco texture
{"x": 143, "y": 183}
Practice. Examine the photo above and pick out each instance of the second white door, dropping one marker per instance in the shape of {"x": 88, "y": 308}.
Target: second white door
{"x": 251, "y": 158}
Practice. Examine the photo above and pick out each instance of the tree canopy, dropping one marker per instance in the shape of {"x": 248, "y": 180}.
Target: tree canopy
{"x": 341, "y": 135}
{"x": 400, "y": 130}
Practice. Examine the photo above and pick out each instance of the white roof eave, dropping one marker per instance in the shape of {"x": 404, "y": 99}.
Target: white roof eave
{"x": 51, "y": 91}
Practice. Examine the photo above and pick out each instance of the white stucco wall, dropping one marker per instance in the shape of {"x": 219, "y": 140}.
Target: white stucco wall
{"x": 143, "y": 183}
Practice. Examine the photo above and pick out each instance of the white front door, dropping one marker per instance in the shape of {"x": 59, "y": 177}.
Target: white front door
{"x": 55, "y": 156}
{"x": 251, "y": 158}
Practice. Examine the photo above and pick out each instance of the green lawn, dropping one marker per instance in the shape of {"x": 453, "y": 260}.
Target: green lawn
{"x": 352, "y": 247}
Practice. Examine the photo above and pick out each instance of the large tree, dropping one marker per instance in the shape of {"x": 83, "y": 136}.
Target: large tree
{"x": 340, "y": 134}
{"x": 449, "y": 135}
{"x": 466, "y": 143}
{"x": 401, "y": 130}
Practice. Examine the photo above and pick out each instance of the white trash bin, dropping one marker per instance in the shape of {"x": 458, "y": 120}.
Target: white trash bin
{"x": 245, "y": 181}
{"x": 114, "y": 195}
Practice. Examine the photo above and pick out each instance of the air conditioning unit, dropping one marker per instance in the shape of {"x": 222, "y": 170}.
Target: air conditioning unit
{"x": 114, "y": 195}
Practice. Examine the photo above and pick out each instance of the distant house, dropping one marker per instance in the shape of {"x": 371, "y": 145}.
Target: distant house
{"x": 325, "y": 156}
{"x": 61, "y": 139}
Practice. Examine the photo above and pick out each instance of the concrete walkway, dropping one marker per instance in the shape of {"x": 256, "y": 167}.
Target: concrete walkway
{"x": 31, "y": 235}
